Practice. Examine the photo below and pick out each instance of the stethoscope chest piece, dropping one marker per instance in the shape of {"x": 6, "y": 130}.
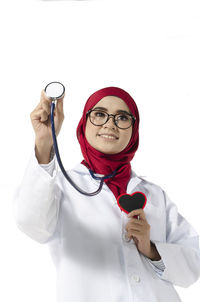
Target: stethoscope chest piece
{"x": 55, "y": 90}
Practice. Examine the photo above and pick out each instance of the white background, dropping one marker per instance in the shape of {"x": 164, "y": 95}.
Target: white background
{"x": 149, "y": 48}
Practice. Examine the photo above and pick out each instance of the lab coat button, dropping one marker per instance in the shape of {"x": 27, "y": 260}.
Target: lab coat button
{"x": 135, "y": 278}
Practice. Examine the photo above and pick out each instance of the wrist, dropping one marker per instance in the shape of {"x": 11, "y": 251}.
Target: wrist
{"x": 43, "y": 153}
{"x": 154, "y": 255}
{"x": 43, "y": 145}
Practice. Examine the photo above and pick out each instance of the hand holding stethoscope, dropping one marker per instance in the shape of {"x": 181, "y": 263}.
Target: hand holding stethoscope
{"x": 41, "y": 122}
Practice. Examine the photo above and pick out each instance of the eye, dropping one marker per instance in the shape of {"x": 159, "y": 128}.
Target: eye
{"x": 123, "y": 117}
{"x": 100, "y": 114}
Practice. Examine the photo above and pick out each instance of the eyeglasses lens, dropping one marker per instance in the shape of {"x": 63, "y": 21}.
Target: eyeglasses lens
{"x": 99, "y": 118}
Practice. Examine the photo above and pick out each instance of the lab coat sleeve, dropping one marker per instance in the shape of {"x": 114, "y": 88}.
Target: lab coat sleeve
{"x": 180, "y": 253}
{"x": 158, "y": 266}
{"x": 50, "y": 167}
{"x": 36, "y": 201}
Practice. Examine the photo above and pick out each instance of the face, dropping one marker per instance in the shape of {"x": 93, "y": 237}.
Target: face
{"x": 95, "y": 135}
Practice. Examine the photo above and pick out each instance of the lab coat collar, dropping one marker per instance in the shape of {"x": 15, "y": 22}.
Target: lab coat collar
{"x": 133, "y": 182}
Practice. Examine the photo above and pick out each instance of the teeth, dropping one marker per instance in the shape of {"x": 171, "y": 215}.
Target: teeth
{"x": 108, "y": 136}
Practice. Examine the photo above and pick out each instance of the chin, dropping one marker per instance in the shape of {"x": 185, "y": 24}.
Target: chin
{"x": 106, "y": 151}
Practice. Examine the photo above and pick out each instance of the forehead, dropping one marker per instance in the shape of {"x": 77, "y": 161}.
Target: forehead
{"x": 112, "y": 103}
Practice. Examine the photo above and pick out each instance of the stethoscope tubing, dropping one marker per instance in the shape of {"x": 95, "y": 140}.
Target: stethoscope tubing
{"x": 62, "y": 167}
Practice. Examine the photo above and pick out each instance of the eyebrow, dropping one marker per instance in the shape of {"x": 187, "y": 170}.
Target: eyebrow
{"x": 117, "y": 111}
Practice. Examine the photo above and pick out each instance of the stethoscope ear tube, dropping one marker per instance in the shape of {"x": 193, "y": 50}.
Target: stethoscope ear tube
{"x": 61, "y": 165}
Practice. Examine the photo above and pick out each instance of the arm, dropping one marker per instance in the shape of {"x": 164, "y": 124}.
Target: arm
{"x": 36, "y": 202}
{"x": 139, "y": 230}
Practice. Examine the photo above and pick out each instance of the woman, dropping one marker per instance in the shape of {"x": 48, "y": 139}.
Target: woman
{"x": 100, "y": 252}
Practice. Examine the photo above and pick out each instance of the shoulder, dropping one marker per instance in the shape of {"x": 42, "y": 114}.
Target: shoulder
{"x": 149, "y": 188}
{"x": 146, "y": 183}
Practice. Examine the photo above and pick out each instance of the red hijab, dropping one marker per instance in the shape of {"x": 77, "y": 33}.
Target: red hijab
{"x": 102, "y": 163}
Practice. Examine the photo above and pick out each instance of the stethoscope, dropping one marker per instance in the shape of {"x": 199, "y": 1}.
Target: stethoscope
{"x": 54, "y": 91}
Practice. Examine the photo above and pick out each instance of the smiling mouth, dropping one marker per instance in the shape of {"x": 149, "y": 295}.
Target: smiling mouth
{"x": 108, "y": 137}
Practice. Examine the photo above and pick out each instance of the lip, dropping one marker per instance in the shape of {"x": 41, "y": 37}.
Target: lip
{"x": 110, "y": 134}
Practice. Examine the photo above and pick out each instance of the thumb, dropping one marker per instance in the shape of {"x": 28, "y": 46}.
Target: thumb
{"x": 59, "y": 115}
{"x": 59, "y": 105}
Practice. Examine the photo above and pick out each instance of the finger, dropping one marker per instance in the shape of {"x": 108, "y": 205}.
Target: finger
{"x": 45, "y": 97}
{"x": 59, "y": 106}
{"x": 62, "y": 97}
{"x": 134, "y": 222}
{"x": 139, "y": 212}
{"x": 135, "y": 228}
{"x": 137, "y": 223}
{"x": 134, "y": 233}
{"x": 46, "y": 106}
{"x": 142, "y": 228}
{"x": 39, "y": 115}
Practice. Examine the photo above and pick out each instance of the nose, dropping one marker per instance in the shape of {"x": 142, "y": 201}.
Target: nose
{"x": 110, "y": 122}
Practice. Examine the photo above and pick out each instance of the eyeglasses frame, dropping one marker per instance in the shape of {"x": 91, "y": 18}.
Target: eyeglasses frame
{"x": 112, "y": 115}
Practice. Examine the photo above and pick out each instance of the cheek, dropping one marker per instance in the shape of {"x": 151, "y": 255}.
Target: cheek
{"x": 127, "y": 137}
{"x": 130, "y": 132}
{"x": 90, "y": 132}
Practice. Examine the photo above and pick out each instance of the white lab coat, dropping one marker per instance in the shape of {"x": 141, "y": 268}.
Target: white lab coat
{"x": 86, "y": 238}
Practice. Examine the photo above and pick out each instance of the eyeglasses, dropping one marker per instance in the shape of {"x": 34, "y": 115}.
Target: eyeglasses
{"x": 121, "y": 120}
